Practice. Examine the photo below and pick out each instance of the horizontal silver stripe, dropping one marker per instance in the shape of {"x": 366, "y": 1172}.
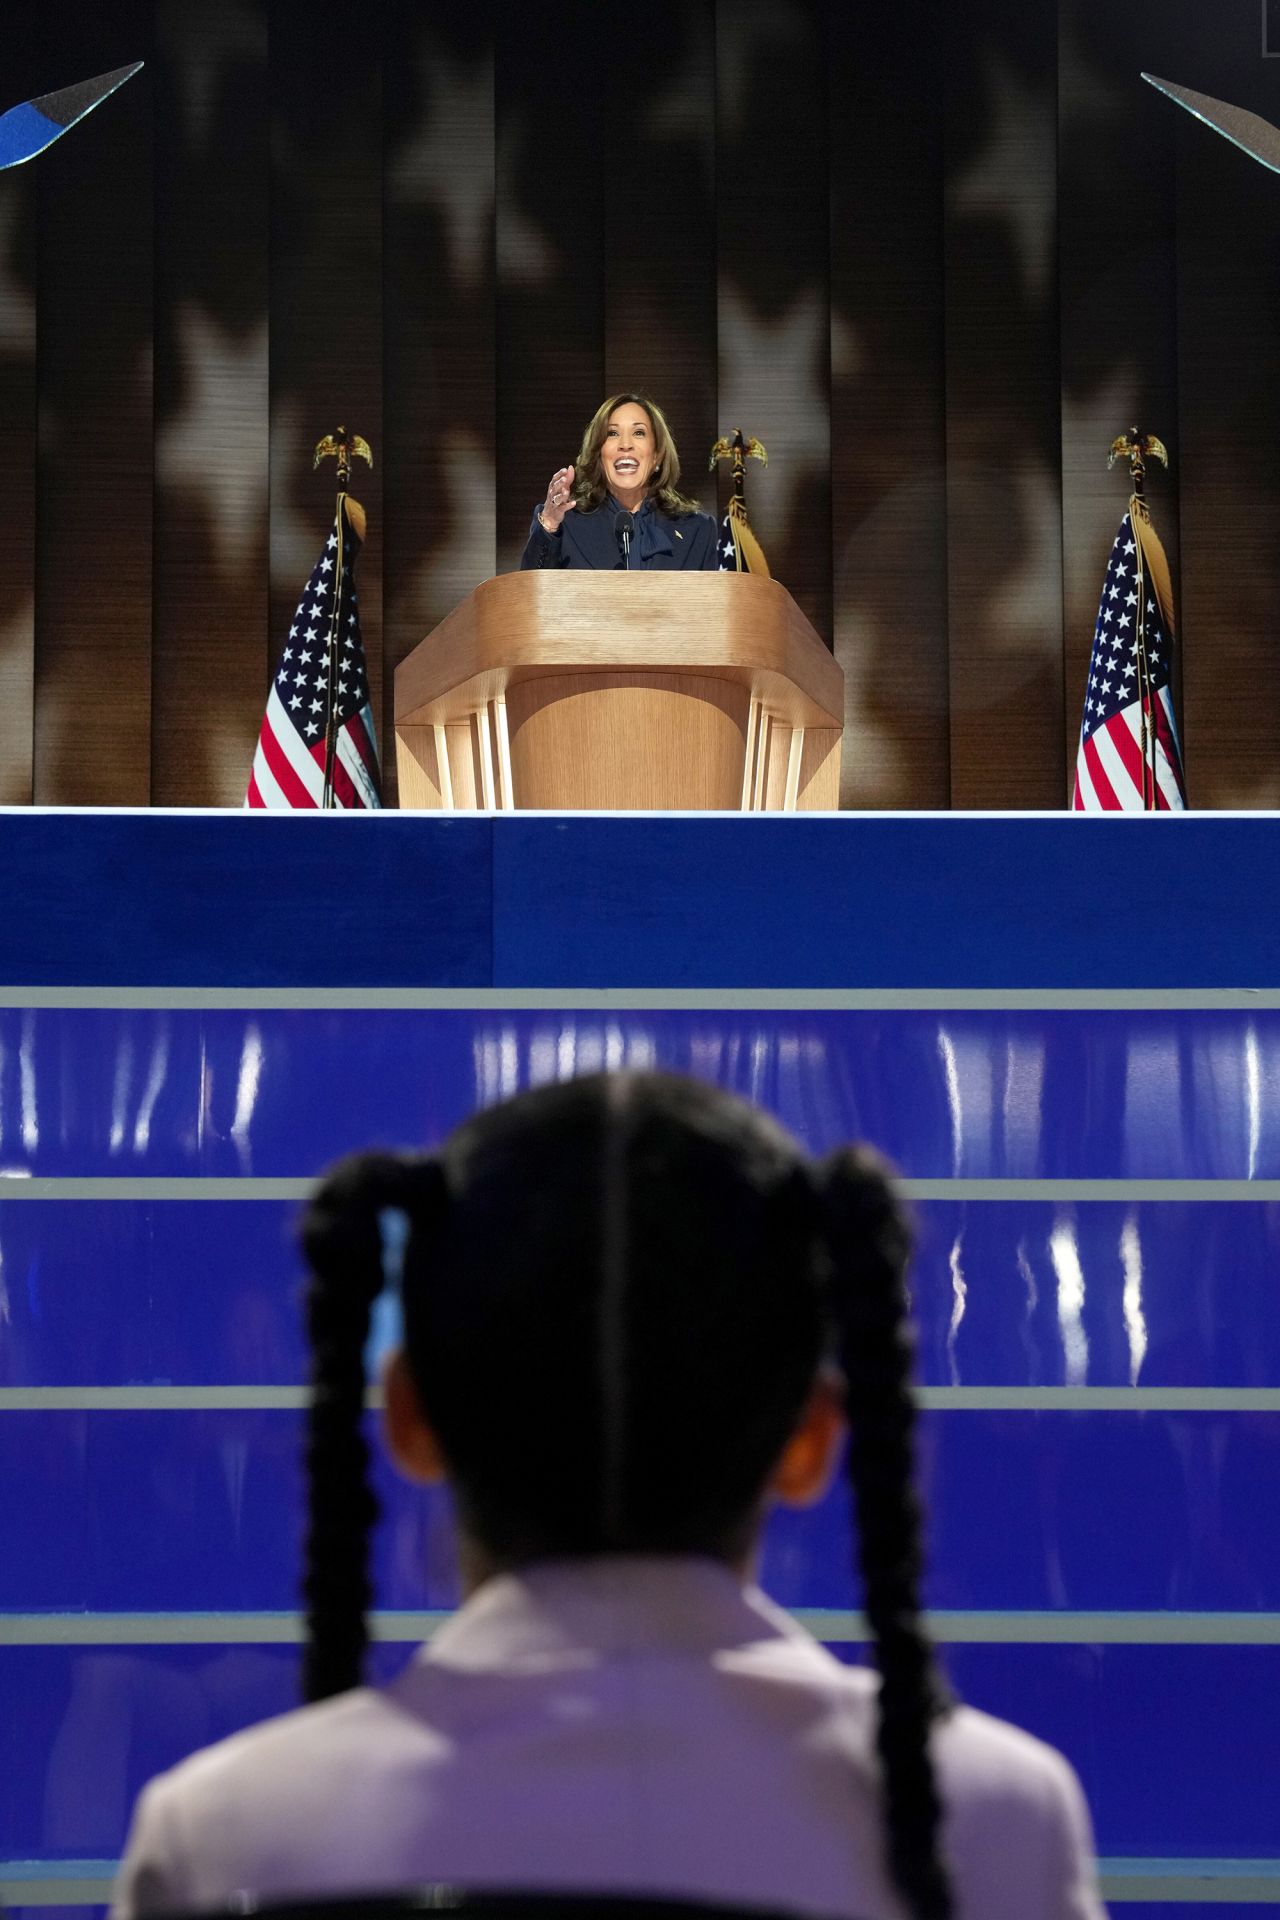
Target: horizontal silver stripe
{"x": 56, "y": 1893}
{"x": 194, "y": 1629}
{"x": 17, "y": 1185}
{"x": 219, "y": 1399}
{"x": 1101, "y": 1399}
{"x": 1026, "y": 1628}
{"x": 70, "y": 1872}
{"x": 1043, "y": 1628}
{"x": 149, "y": 1187}
{"x": 1215, "y": 1882}
{"x": 266, "y": 1399}
{"x": 58, "y": 1883}
{"x": 651, "y": 999}
{"x": 1068, "y": 1190}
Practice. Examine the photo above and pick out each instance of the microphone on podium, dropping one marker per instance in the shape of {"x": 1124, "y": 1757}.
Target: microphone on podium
{"x": 623, "y": 528}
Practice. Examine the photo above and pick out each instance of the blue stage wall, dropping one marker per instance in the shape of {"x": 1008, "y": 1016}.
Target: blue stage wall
{"x": 1067, "y": 1034}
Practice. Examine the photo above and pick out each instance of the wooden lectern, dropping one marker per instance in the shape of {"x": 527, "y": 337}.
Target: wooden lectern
{"x": 600, "y": 690}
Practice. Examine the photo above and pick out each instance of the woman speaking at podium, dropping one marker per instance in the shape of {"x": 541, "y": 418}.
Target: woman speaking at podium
{"x": 618, "y": 505}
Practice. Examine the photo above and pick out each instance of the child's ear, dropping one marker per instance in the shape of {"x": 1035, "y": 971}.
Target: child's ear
{"x": 807, "y": 1463}
{"x": 411, "y": 1440}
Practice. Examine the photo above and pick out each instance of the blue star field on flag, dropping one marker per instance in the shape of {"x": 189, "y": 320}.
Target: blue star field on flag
{"x": 730, "y": 559}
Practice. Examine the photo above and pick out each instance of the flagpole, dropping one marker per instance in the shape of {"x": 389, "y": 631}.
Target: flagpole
{"x": 1138, "y": 472}
{"x": 331, "y": 663}
{"x": 747, "y": 553}
{"x": 339, "y": 445}
{"x": 1135, "y": 446}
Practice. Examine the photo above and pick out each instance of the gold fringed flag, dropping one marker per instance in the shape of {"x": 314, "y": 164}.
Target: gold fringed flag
{"x": 740, "y": 551}
{"x": 1129, "y": 758}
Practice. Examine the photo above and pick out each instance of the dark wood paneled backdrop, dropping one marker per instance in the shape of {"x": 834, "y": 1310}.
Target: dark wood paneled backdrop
{"x": 934, "y": 257}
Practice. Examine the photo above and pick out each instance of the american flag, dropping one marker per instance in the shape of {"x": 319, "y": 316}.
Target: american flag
{"x": 288, "y": 768}
{"x": 1128, "y": 703}
{"x": 739, "y": 550}
{"x": 731, "y": 560}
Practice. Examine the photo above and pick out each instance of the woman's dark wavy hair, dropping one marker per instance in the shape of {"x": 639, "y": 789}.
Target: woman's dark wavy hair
{"x": 604, "y": 1281}
{"x": 589, "y": 487}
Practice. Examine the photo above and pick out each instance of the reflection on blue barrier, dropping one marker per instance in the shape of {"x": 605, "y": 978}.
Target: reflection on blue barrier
{"x": 968, "y": 1095}
{"x": 130, "y": 1511}
{"x": 100, "y": 1721}
{"x": 1015, "y": 1292}
{"x": 1156, "y": 1508}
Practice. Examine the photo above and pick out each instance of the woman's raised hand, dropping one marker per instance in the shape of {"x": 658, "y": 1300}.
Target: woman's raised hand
{"x": 559, "y": 500}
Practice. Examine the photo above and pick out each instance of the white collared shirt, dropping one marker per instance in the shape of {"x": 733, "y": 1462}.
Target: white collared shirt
{"x": 628, "y": 1725}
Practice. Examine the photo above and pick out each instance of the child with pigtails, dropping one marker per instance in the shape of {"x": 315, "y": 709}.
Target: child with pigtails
{"x": 635, "y": 1313}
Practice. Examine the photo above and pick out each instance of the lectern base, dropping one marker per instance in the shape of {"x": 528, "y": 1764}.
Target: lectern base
{"x": 627, "y": 740}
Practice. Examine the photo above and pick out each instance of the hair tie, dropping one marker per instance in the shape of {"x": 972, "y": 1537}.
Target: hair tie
{"x": 421, "y": 1185}
{"x": 394, "y": 1227}
{"x": 386, "y": 1314}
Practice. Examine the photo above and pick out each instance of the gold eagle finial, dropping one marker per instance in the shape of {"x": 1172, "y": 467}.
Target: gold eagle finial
{"x": 727, "y": 447}
{"x": 1137, "y": 448}
{"x": 344, "y": 448}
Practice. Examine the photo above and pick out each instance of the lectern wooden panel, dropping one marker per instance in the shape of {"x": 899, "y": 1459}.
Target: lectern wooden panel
{"x": 599, "y": 690}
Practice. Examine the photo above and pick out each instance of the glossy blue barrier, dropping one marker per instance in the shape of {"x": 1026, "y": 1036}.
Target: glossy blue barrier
{"x": 99, "y": 1722}
{"x": 897, "y": 900}
{"x": 205, "y": 1292}
{"x": 128, "y": 1511}
{"x": 1102, "y": 1362}
{"x": 970, "y": 1094}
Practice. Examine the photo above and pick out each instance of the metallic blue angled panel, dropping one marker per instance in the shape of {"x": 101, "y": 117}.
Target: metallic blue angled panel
{"x": 25, "y": 132}
{"x": 976, "y": 1095}
{"x": 201, "y": 1511}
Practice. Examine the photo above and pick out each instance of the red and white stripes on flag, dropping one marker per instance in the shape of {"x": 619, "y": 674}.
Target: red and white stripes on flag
{"x": 1129, "y": 759}
{"x": 287, "y": 773}
{"x": 1110, "y": 772}
{"x": 288, "y": 767}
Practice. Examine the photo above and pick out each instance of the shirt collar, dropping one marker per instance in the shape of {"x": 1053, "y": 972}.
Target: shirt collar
{"x": 653, "y": 530}
{"x": 569, "y": 1612}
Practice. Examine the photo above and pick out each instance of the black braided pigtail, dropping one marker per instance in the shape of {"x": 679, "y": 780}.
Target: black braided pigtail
{"x": 869, "y": 1245}
{"x": 342, "y": 1241}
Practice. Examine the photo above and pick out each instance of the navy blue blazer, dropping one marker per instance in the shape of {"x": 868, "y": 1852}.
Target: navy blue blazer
{"x": 686, "y": 544}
